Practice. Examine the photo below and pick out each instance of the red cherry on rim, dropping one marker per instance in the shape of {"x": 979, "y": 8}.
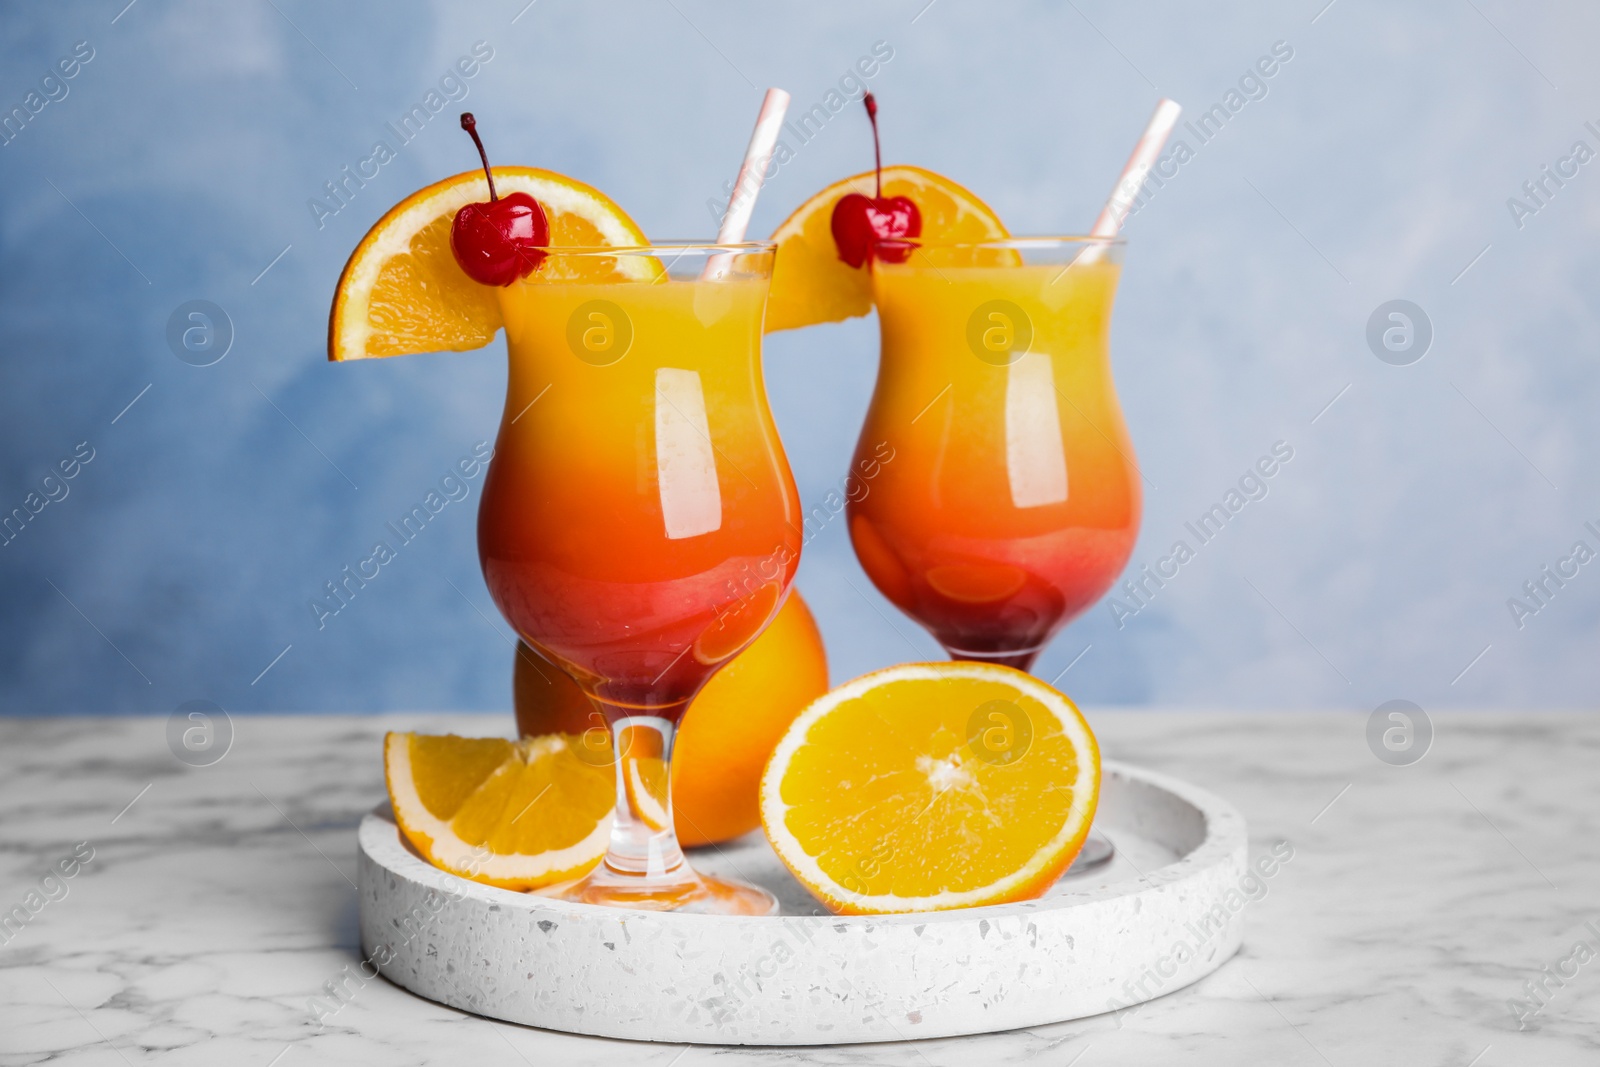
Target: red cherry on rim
{"x": 879, "y": 226}
{"x": 502, "y": 240}
{"x": 864, "y": 227}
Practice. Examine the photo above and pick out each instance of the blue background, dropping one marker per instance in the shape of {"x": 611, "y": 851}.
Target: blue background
{"x": 1377, "y": 166}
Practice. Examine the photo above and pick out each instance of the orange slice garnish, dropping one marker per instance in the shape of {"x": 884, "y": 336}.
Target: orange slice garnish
{"x": 811, "y": 284}
{"x": 403, "y": 292}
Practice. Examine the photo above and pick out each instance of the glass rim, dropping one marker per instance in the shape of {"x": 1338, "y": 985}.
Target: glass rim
{"x": 659, "y": 248}
{"x": 1020, "y": 242}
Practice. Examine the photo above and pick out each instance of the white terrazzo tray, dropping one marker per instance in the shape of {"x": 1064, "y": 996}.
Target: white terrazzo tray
{"x": 1163, "y": 914}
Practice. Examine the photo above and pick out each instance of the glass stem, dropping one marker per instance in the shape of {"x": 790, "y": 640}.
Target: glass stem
{"x": 644, "y": 844}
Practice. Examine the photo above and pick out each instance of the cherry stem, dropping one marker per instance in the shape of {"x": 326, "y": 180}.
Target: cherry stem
{"x": 470, "y": 124}
{"x": 877, "y": 152}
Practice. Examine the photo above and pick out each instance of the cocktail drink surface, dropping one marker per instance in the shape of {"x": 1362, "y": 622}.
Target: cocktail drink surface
{"x": 1013, "y": 501}
{"x": 639, "y": 524}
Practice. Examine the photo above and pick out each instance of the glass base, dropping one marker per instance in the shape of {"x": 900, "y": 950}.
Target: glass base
{"x": 698, "y": 894}
{"x": 1021, "y": 660}
{"x": 1096, "y": 852}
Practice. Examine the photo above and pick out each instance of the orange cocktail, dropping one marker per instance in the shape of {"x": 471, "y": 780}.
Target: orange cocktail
{"x": 1013, "y": 501}
{"x": 639, "y": 524}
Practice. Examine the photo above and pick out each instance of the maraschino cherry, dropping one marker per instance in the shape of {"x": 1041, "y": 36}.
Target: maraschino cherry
{"x": 502, "y": 240}
{"x": 879, "y": 226}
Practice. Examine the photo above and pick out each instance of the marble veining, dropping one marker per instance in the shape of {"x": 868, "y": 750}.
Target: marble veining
{"x": 1428, "y": 915}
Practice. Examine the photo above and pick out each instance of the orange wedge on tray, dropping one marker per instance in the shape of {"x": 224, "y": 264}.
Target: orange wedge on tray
{"x": 515, "y": 814}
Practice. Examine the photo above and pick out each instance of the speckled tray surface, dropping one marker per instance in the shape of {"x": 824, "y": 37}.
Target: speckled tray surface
{"x": 1160, "y": 916}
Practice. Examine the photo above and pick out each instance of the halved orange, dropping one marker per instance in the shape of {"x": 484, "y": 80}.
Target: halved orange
{"x": 811, "y": 284}
{"x": 515, "y": 814}
{"x": 403, "y": 292}
{"x": 930, "y": 786}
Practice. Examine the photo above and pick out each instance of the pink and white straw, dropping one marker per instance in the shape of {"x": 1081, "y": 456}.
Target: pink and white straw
{"x": 753, "y": 171}
{"x": 1144, "y": 156}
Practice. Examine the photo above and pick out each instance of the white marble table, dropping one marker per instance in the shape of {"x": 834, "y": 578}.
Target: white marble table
{"x": 1418, "y": 902}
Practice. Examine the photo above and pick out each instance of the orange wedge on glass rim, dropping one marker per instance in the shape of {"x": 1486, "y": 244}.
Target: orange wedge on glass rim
{"x": 931, "y": 786}
{"x": 811, "y": 284}
{"x": 402, "y": 291}
{"x": 514, "y": 814}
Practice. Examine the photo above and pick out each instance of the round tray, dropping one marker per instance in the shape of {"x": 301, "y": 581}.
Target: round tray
{"x": 1160, "y": 916}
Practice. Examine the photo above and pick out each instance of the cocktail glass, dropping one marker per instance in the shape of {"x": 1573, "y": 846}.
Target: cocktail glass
{"x": 639, "y": 523}
{"x": 1012, "y": 500}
